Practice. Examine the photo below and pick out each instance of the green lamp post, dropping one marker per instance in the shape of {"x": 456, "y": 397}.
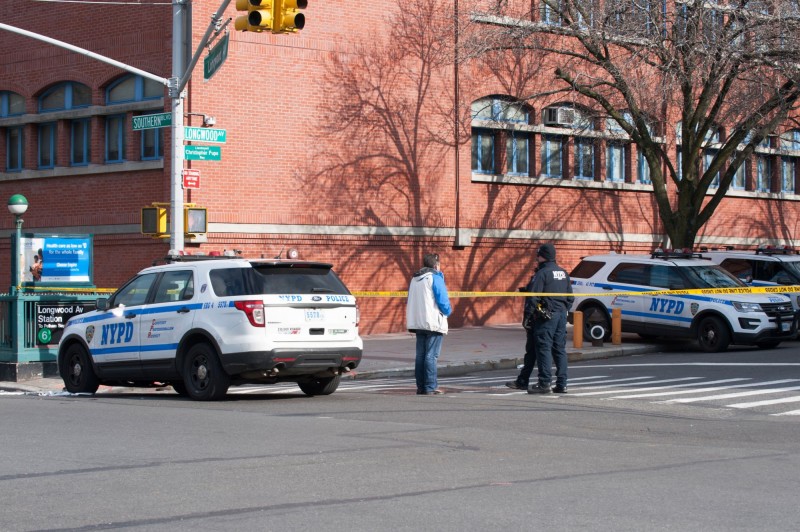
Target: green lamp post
{"x": 17, "y": 205}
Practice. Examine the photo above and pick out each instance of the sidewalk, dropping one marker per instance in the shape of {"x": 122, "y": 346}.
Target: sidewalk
{"x": 464, "y": 350}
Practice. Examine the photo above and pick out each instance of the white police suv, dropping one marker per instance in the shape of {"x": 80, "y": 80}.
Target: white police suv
{"x": 202, "y": 324}
{"x": 714, "y": 320}
{"x": 766, "y": 266}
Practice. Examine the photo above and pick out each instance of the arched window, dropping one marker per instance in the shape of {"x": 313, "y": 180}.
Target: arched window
{"x": 11, "y": 104}
{"x": 555, "y": 144}
{"x": 495, "y": 119}
{"x": 133, "y": 88}
{"x": 66, "y": 95}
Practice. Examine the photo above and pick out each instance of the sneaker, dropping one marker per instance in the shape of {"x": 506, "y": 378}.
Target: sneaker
{"x": 539, "y": 389}
{"x": 432, "y": 392}
{"x": 514, "y": 385}
{"x": 559, "y": 389}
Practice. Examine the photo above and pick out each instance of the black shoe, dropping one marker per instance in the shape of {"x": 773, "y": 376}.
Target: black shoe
{"x": 514, "y": 385}
{"x": 559, "y": 389}
{"x": 539, "y": 389}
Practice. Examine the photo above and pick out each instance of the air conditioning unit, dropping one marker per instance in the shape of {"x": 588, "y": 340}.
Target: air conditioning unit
{"x": 559, "y": 116}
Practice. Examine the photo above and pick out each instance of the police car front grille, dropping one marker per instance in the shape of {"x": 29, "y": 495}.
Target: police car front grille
{"x": 777, "y": 309}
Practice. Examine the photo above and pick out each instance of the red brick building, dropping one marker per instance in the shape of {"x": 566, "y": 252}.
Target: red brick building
{"x": 340, "y": 143}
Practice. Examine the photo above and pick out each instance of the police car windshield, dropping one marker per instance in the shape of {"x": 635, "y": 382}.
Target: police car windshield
{"x": 710, "y": 277}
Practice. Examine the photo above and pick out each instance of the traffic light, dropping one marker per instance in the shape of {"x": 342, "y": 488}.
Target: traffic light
{"x": 154, "y": 221}
{"x": 258, "y": 17}
{"x": 286, "y": 16}
{"x": 195, "y": 220}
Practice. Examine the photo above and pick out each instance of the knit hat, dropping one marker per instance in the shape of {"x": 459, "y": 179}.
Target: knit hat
{"x": 547, "y": 252}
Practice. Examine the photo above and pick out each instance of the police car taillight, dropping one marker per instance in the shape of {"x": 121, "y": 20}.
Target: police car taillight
{"x": 254, "y": 311}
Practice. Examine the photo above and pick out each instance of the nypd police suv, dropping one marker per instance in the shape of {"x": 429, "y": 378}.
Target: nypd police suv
{"x": 714, "y": 320}
{"x": 766, "y": 266}
{"x": 202, "y": 324}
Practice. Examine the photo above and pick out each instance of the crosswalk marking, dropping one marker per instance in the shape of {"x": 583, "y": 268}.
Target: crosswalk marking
{"x": 617, "y": 386}
{"x": 753, "y": 404}
{"x": 632, "y": 393}
{"x": 739, "y": 394}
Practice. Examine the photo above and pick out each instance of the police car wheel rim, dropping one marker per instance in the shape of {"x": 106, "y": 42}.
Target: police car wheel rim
{"x": 76, "y": 369}
{"x": 200, "y": 372}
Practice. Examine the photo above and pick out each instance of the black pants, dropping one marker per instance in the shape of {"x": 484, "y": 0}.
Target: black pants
{"x": 530, "y": 359}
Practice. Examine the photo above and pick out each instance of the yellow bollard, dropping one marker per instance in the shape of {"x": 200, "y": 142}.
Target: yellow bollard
{"x": 577, "y": 329}
{"x": 616, "y": 326}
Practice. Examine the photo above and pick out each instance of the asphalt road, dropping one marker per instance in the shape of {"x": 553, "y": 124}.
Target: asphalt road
{"x": 375, "y": 456}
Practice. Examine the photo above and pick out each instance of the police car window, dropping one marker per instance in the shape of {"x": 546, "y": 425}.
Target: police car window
{"x": 793, "y": 270}
{"x": 230, "y": 282}
{"x": 741, "y": 268}
{"x": 135, "y": 292}
{"x": 709, "y": 277}
{"x": 172, "y": 286}
{"x": 765, "y": 270}
{"x": 630, "y": 273}
{"x": 586, "y": 269}
{"x": 311, "y": 279}
{"x": 667, "y": 277}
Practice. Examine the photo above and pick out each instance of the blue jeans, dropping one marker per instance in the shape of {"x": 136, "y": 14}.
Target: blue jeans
{"x": 551, "y": 345}
{"x": 429, "y": 345}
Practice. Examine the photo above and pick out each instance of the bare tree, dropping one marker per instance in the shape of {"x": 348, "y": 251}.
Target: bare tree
{"x": 708, "y": 81}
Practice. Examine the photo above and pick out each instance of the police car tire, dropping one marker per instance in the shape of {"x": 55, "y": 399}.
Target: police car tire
{"x": 713, "y": 335}
{"x": 203, "y": 376}
{"x": 594, "y": 316}
{"x": 77, "y": 371}
{"x": 320, "y": 386}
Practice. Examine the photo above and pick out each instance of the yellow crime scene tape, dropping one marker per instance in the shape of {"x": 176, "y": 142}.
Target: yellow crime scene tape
{"x": 691, "y": 292}
{"x": 66, "y": 289}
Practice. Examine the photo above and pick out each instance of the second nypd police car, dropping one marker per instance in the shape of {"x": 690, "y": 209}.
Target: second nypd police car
{"x": 203, "y": 325}
{"x": 717, "y": 320}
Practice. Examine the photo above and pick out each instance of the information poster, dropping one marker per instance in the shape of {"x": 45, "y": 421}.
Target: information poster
{"x": 57, "y": 260}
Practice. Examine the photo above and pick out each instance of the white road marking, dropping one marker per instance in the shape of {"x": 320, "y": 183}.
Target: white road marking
{"x": 753, "y": 404}
{"x": 739, "y": 394}
{"x": 651, "y": 388}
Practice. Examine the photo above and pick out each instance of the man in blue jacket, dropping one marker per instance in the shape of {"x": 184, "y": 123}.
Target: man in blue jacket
{"x": 426, "y": 315}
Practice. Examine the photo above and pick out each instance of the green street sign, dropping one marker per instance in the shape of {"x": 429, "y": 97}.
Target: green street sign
{"x": 202, "y": 153}
{"x": 152, "y": 121}
{"x": 204, "y": 134}
{"x": 215, "y": 58}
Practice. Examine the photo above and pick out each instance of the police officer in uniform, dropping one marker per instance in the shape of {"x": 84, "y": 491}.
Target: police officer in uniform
{"x": 550, "y": 320}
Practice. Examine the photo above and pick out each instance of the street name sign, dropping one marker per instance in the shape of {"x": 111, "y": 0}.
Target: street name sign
{"x": 202, "y": 153}
{"x": 152, "y": 121}
{"x": 204, "y": 134}
{"x": 215, "y": 58}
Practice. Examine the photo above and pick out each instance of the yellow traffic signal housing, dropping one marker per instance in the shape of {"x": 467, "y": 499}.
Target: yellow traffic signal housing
{"x": 259, "y": 15}
{"x": 154, "y": 221}
{"x": 195, "y": 220}
{"x": 286, "y": 16}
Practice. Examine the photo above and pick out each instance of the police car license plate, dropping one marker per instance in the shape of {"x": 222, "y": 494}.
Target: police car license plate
{"x": 314, "y": 315}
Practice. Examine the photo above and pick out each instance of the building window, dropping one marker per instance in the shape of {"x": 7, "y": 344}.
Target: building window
{"x": 495, "y": 115}
{"x": 552, "y": 151}
{"x": 132, "y": 88}
{"x": 152, "y": 141}
{"x": 643, "y": 169}
{"x": 584, "y": 158}
{"x": 517, "y": 145}
{"x": 68, "y": 95}
{"x": 482, "y": 151}
{"x": 550, "y": 12}
{"x": 47, "y": 145}
{"x": 763, "y": 173}
{"x": 115, "y": 138}
{"x": 80, "y": 142}
{"x": 788, "y": 174}
{"x": 708, "y": 158}
{"x": 14, "y": 150}
{"x": 615, "y": 161}
{"x": 11, "y": 104}
{"x": 738, "y": 182}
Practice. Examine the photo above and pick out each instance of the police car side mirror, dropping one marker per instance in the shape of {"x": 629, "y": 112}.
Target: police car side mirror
{"x": 101, "y": 303}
